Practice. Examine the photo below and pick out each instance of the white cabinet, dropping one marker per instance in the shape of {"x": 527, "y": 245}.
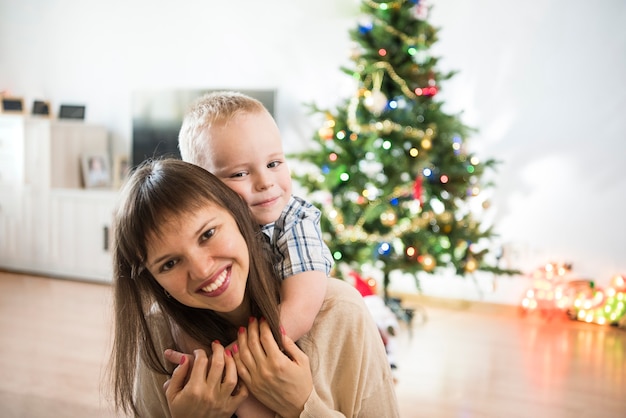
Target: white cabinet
{"x": 49, "y": 224}
{"x": 12, "y": 176}
{"x": 11, "y": 151}
{"x": 80, "y": 235}
{"x": 10, "y": 226}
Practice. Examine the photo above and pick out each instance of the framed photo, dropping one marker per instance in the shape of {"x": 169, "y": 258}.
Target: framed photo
{"x": 121, "y": 169}
{"x": 12, "y": 105}
{"x": 41, "y": 108}
{"x": 96, "y": 170}
{"x": 72, "y": 112}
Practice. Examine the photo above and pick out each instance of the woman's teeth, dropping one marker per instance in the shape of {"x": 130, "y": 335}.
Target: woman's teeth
{"x": 217, "y": 283}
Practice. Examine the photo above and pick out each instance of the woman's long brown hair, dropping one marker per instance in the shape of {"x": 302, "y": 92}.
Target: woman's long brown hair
{"x": 156, "y": 191}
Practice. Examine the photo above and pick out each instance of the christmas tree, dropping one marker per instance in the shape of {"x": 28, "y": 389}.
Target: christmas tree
{"x": 392, "y": 173}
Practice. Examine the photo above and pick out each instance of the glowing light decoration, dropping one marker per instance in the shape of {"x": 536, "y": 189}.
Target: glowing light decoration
{"x": 548, "y": 293}
{"x": 601, "y": 306}
{"x": 553, "y": 293}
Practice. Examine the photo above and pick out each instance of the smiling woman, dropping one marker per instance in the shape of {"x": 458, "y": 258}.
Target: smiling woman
{"x": 203, "y": 262}
{"x": 191, "y": 266}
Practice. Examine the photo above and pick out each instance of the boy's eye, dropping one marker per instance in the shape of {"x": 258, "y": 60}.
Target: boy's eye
{"x": 240, "y": 174}
{"x": 273, "y": 164}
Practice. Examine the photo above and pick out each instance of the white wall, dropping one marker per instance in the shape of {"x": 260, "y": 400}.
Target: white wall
{"x": 542, "y": 81}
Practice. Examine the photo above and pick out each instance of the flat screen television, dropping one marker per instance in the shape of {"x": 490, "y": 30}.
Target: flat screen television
{"x": 158, "y": 116}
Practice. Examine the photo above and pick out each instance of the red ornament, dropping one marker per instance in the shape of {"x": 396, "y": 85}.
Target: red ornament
{"x": 418, "y": 190}
{"x": 365, "y": 287}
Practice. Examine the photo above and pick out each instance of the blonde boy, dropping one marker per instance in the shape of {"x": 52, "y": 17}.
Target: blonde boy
{"x": 234, "y": 137}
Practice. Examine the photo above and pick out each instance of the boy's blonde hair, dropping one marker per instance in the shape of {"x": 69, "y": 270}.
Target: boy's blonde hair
{"x": 212, "y": 108}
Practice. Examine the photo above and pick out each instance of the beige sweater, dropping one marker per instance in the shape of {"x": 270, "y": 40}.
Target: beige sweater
{"x": 351, "y": 374}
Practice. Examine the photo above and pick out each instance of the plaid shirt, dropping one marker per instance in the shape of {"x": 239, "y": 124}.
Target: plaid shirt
{"x": 296, "y": 239}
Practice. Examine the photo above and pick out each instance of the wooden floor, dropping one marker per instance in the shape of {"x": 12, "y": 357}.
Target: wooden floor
{"x": 459, "y": 363}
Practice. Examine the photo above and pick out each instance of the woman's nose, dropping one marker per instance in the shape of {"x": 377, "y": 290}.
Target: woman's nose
{"x": 201, "y": 264}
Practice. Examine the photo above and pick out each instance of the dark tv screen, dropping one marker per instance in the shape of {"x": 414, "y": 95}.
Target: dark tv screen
{"x": 158, "y": 115}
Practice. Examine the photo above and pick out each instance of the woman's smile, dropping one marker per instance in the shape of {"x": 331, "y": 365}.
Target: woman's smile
{"x": 217, "y": 285}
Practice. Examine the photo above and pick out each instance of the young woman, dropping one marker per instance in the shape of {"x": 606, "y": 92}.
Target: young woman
{"x": 188, "y": 256}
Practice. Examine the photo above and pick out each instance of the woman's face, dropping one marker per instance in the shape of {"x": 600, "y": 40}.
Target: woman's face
{"x": 201, "y": 259}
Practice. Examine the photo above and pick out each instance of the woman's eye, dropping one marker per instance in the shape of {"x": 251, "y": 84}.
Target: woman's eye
{"x": 208, "y": 234}
{"x": 168, "y": 265}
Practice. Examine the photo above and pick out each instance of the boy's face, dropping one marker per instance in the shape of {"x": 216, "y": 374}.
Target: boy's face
{"x": 247, "y": 155}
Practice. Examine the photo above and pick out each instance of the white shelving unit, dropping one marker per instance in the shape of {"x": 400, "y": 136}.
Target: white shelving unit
{"x": 49, "y": 224}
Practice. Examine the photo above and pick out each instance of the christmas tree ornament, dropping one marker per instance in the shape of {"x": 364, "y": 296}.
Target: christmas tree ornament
{"x": 355, "y": 52}
{"x": 370, "y": 167}
{"x": 365, "y": 24}
{"x": 470, "y": 264}
{"x": 375, "y": 101}
{"x": 420, "y": 57}
{"x": 384, "y": 249}
{"x": 427, "y": 261}
{"x": 388, "y": 218}
{"x": 420, "y": 10}
{"x": 418, "y": 190}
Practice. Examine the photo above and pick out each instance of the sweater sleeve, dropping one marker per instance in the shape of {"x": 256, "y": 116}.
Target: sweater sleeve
{"x": 351, "y": 373}
{"x": 316, "y": 408}
{"x": 381, "y": 404}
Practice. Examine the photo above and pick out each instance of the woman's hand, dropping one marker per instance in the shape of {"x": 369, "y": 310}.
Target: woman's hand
{"x": 281, "y": 381}
{"x": 208, "y": 388}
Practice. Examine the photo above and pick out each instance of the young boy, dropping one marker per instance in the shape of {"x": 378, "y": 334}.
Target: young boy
{"x": 234, "y": 137}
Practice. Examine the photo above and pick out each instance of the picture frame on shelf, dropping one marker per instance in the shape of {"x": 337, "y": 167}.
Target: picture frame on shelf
{"x": 11, "y": 105}
{"x": 76, "y": 112}
{"x": 121, "y": 169}
{"x": 41, "y": 108}
{"x": 96, "y": 170}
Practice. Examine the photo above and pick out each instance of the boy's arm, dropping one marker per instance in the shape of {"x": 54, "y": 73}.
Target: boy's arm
{"x": 302, "y": 297}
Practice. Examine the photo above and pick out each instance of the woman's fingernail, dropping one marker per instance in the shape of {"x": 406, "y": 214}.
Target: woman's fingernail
{"x": 251, "y": 319}
{"x": 228, "y": 353}
{"x": 217, "y": 342}
{"x": 242, "y": 330}
{"x": 235, "y": 348}
{"x": 183, "y": 359}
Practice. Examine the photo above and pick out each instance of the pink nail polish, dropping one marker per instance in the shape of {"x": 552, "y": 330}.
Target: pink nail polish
{"x": 242, "y": 330}
{"x": 235, "y": 348}
{"x": 183, "y": 359}
{"x": 228, "y": 353}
